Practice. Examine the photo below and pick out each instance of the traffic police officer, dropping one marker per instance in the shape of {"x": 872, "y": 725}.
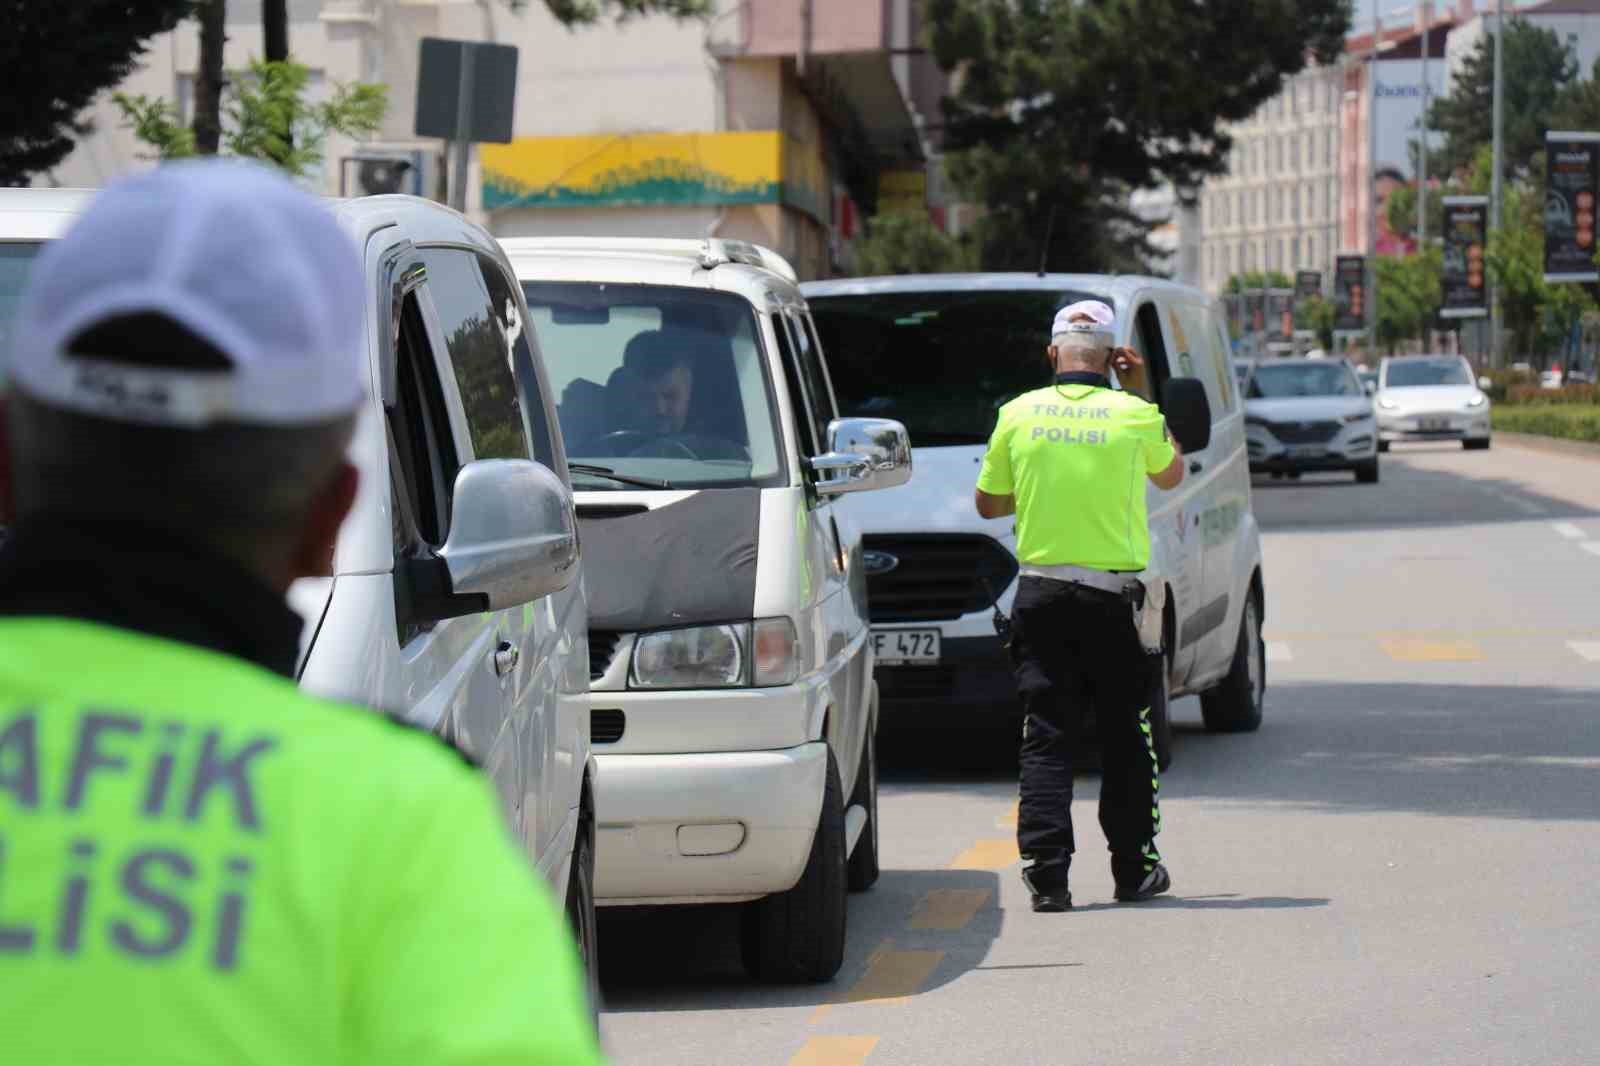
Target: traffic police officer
{"x": 198, "y": 862}
{"x": 1070, "y": 461}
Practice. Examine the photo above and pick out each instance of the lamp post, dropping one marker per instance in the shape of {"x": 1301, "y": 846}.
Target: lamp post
{"x": 1499, "y": 165}
{"x": 1422, "y": 130}
{"x": 1371, "y": 295}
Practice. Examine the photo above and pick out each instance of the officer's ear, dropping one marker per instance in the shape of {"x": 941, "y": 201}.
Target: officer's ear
{"x": 313, "y": 555}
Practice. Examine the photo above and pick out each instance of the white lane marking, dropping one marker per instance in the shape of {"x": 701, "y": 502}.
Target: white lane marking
{"x": 1279, "y": 652}
{"x": 1588, "y": 649}
{"x": 1591, "y": 546}
{"x": 1568, "y": 530}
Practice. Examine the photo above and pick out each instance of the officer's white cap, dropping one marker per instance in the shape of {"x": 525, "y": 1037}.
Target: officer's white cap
{"x": 1097, "y": 332}
{"x": 237, "y": 255}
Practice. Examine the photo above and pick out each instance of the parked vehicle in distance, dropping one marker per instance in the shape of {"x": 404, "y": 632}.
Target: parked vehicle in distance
{"x": 1552, "y": 378}
{"x": 943, "y": 353}
{"x": 731, "y": 667}
{"x": 1430, "y": 397}
{"x": 1305, "y": 416}
{"x": 448, "y": 608}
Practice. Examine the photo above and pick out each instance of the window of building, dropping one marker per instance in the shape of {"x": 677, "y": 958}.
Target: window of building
{"x": 1294, "y": 252}
{"x": 1311, "y": 253}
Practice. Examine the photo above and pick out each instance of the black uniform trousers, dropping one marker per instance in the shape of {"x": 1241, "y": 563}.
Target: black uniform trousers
{"x": 1075, "y": 649}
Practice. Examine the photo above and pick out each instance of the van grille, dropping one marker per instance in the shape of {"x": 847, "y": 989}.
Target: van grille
{"x": 1304, "y": 432}
{"x": 936, "y": 576}
{"x": 602, "y": 649}
{"x": 606, "y": 725}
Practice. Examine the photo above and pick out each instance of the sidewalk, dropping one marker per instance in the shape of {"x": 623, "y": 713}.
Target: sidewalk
{"x": 1560, "y": 445}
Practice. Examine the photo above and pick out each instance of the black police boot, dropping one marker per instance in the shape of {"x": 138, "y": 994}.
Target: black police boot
{"x": 1047, "y": 880}
{"x": 1134, "y": 889}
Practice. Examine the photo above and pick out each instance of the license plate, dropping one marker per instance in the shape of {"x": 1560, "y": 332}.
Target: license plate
{"x": 1306, "y": 451}
{"x": 915, "y": 647}
{"x": 1433, "y": 425}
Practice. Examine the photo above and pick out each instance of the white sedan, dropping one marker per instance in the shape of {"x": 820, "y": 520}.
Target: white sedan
{"x": 1430, "y": 397}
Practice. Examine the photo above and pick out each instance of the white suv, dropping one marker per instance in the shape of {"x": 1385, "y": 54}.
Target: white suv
{"x": 942, "y": 353}
{"x": 734, "y": 707}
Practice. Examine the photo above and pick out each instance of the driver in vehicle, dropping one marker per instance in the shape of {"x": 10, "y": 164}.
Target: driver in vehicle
{"x": 660, "y": 364}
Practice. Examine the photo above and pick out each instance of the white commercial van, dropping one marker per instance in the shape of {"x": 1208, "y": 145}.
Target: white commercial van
{"x": 731, "y": 667}
{"x": 941, "y": 354}
{"x": 457, "y": 600}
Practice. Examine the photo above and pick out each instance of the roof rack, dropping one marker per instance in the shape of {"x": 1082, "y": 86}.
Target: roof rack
{"x": 709, "y": 253}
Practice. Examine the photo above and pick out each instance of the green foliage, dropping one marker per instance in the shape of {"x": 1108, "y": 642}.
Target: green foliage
{"x": 1538, "y": 396}
{"x": 267, "y": 117}
{"x": 1538, "y": 67}
{"x": 1318, "y": 316}
{"x": 1570, "y": 422}
{"x": 1256, "y": 279}
{"x": 1062, "y": 108}
{"x": 1538, "y": 314}
{"x": 1408, "y": 295}
{"x": 584, "y": 12}
{"x": 57, "y": 58}
{"x": 911, "y": 244}
{"x": 1503, "y": 382}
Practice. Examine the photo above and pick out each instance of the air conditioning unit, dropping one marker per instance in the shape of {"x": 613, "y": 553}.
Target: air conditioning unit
{"x": 378, "y": 169}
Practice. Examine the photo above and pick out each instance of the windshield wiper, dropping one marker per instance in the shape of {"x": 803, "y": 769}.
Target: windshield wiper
{"x": 621, "y": 479}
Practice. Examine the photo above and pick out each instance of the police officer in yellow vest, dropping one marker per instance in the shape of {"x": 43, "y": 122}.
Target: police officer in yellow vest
{"x": 1071, "y": 461}
{"x": 199, "y": 863}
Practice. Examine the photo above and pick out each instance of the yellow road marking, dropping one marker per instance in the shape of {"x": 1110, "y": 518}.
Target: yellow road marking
{"x": 992, "y": 854}
{"x": 835, "y": 1051}
{"x": 1432, "y": 651}
{"x": 1008, "y": 820}
{"x": 949, "y": 908}
{"x": 891, "y": 976}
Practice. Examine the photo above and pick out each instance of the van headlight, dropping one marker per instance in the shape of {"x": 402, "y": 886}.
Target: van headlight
{"x": 703, "y": 657}
{"x": 762, "y": 654}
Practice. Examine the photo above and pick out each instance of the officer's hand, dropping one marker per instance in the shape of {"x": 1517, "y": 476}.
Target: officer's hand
{"x": 1125, "y": 360}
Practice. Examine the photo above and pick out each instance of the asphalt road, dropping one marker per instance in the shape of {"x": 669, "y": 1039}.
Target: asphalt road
{"x": 1398, "y": 868}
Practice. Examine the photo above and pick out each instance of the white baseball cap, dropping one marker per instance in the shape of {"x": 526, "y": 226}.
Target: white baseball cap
{"x": 1098, "y": 332}
{"x": 234, "y": 253}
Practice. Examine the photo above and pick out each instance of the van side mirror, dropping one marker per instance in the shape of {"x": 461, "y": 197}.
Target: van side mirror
{"x": 1183, "y": 401}
{"x": 863, "y": 454}
{"x": 513, "y": 538}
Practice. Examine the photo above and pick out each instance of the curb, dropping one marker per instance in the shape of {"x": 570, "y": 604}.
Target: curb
{"x": 1534, "y": 442}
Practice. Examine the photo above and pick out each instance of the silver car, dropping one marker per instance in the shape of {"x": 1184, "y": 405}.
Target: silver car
{"x": 1431, "y": 397}
{"x": 1305, "y": 415}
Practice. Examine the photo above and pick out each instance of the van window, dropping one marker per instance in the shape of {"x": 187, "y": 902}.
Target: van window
{"x": 660, "y": 382}
{"x": 479, "y": 353}
{"x": 420, "y": 432}
{"x": 15, "y": 259}
{"x": 1224, "y": 360}
{"x": 816, "y": 376}
{"x": 506, "y": 304}
{"x": 1152, "y": 348}
{"x": 941, "y": 362}
{"x": 810, "y": 440}
{"x": 1195, "y": 336}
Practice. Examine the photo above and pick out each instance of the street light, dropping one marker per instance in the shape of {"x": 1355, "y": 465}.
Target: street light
{"x": 1495, "y": 190}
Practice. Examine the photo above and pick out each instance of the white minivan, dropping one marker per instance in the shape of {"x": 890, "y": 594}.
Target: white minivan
{"x": 457, "y": 604}
{"x": 941, "y": 354}
{"x": 733, "y": 703}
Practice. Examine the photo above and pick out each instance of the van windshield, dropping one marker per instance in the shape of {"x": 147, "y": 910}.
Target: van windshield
{"x": 941, "y": 362}
{"x": 15, "y": 259}
{"x": 658, "y": 383}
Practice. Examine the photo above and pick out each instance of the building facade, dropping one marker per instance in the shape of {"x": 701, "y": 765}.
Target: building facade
{"x": 773, "y": 121}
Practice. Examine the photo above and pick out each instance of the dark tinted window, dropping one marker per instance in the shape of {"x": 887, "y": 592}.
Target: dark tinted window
{"x": 943, "y": 363}
{"x": 1276, "y": 381}
{"x": 15, "y": 259}
{"x": 1406, "y": 373}
{"x": 479, "y": 353}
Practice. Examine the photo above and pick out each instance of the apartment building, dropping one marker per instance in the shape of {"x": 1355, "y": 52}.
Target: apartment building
{"x": 773, "y": 121}
{"x": 1277, "y": 207}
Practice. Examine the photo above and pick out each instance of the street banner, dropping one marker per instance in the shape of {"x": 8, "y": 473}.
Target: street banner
{"x": 1466, "y": 228}
{"x": 1255, "y": 311}
{"x": 1349, "y": 290}
{"x": 1280, "y": 314}
{"x": 1307, "y": 287}
{"x": 1573, "y": 166}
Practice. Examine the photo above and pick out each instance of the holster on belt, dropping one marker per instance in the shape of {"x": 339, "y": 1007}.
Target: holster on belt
{"x": 1148, "y": 601}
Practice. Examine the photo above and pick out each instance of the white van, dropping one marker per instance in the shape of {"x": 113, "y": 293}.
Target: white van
{"x": 942, "y": 353}
{"x": 457, "y": 603}
{"x": 733, "y": 703}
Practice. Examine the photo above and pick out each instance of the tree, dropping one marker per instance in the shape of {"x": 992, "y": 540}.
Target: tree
{"x": 911, "y": 244}
{"x": 1539, "y": 314}
{"x": 57, "y": 58}
{"x": 208, "y": 80}
{"x": 1062, "y": 108}
{"x": 268, "y": 118}
{"x": 1538, "y": 67}
{"x": 1255, "y": 279}
{"x": 1409, "y": 295}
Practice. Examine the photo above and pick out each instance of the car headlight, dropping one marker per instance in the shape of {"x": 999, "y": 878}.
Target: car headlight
{"x": 1388, "y": 404}
{"x": 761, "y": 654}
{"x": 1478, "y": 401}
{"x": 703, "y": 657}
{"x": 1361, "y": 416}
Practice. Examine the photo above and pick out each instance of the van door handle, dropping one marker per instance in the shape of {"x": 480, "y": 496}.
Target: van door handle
{"x": 1196, "y": 466}
{"x": 505, "y": 658}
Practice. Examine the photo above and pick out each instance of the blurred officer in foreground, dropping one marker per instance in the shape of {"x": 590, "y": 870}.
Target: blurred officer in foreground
{"x": 198, "y": 862}
{"x": 1070, "y": 461}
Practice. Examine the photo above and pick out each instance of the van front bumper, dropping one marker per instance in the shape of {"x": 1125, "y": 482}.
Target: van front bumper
{"x": 705, "y": 827}
{"x": 971, "y": 685}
